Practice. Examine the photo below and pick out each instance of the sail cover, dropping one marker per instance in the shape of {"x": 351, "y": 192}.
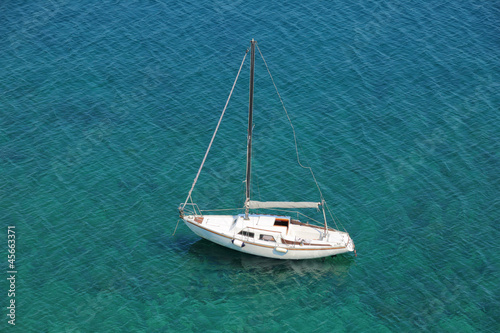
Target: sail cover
{"x": 282, "y": 204}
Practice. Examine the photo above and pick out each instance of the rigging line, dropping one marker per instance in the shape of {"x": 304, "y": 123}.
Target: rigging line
{"x": 335, "y": 219}
{"x": 298, "y": 213}
{"x": 176, "y": 227}
{"x": 217, "y": 210}
{"x": 216, "y": 129}
{"x": 293, "y": 128}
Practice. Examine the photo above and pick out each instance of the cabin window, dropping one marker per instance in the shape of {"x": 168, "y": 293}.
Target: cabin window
{"x": 246, "y": 233}
{"x": 281, "y": 222}
{"x": 268, "y": 238}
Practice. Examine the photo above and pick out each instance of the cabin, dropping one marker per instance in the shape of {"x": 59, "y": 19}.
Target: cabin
{"x": 279, "y": 229}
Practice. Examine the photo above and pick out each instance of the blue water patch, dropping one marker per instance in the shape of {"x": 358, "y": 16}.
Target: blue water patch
{"x": 106, "y": 110}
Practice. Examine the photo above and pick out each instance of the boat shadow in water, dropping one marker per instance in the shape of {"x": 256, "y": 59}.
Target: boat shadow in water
{"x": 206, "y": 250}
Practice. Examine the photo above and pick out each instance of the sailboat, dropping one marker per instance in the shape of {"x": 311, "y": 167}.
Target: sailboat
{"x": 264, "y": 234}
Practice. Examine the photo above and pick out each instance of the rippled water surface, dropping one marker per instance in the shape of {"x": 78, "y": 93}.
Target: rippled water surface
{"x": 106, "y": 109}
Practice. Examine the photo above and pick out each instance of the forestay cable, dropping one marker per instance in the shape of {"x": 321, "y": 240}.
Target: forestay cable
{"x": 216, "y": 129}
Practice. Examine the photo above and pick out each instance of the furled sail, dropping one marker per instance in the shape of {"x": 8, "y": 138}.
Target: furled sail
{"x": 282, "y": 204}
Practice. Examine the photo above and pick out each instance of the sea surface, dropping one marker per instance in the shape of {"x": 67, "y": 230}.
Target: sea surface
{"x": 107, "y": 108}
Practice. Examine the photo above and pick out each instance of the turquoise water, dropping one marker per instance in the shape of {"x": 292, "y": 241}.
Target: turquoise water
{"x": 106, "y": 110}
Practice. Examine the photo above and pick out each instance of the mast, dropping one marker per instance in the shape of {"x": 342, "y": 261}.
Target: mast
{"x": 250, "y": 125}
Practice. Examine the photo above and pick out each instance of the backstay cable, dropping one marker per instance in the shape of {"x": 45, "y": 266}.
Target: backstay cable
{"x": 293, "y": 128}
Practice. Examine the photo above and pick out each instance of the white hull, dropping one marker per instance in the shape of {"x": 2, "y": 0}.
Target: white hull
{"x": 270, "y": 236}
